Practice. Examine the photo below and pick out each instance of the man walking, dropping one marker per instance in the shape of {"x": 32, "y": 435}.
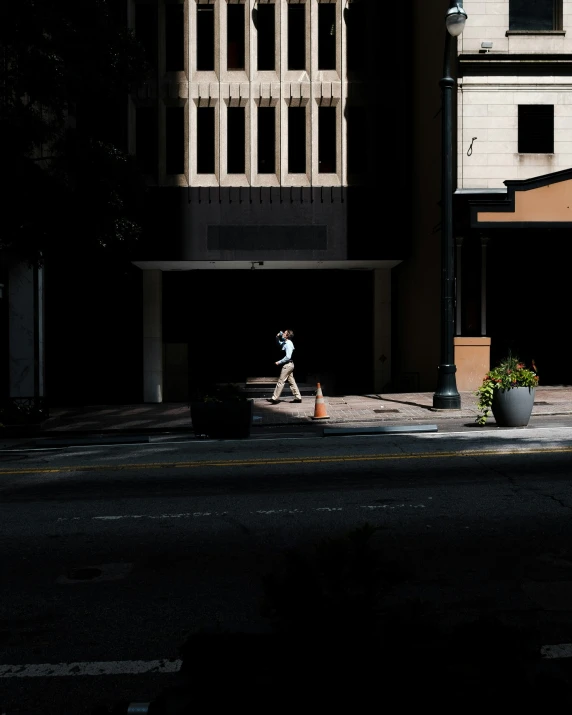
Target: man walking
{"x": 284, "y": 339}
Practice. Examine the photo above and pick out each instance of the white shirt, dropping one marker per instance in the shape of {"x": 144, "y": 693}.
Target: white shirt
{"x": 288, "y": 347}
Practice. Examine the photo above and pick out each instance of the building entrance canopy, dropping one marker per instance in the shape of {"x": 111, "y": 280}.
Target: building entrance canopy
{"x": 265, "y": 265}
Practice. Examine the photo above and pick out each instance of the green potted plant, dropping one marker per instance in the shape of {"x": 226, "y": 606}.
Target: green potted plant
{"x": 222, "y": 411}
{"x": 508, "y": 392}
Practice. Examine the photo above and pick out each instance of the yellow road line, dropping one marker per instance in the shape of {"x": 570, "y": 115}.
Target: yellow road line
{"x": 280, "y": 461}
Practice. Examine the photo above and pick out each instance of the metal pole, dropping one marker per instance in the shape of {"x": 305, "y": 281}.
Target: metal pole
{"x": 446, "y": 396}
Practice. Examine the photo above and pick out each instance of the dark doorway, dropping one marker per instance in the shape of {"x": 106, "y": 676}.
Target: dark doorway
{"x": 527, "y": 307}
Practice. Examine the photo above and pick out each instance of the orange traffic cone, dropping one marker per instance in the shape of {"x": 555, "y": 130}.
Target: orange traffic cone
{"x": 320, "y": 406}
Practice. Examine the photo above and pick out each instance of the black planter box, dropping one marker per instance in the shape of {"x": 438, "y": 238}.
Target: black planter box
{"x": 227, "y": 419}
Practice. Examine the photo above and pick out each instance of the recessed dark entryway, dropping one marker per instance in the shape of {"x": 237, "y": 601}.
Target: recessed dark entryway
{"x": 229, "y": 320}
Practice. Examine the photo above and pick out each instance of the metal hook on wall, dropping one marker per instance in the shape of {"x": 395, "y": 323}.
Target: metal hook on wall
{"x": 470, "y": 149}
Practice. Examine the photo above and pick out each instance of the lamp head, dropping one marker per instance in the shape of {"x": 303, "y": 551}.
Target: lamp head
{"x": 455, "y": 20}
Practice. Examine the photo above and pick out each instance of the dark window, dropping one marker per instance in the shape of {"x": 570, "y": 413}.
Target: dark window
{"x": 236, "y": 142}
{"x": 175, "y": 140}
{"x": 297, "y": 36}
{"x": 146, "y": 30}
{"x": 327, "y": 140}
{"x": 535, "y": 128}
{"x": 235, "y": 37}
{"x": 296, "y": 140}
{"x": 266, "y": 140}
{"x": 174, "y": 38}
{"x": 146, "y": 139}
{"x": 205, "y": 140}
{"x": 356, "y": 24}
{"x": 265, "y": 26}
{"x": 326, "y": 36}
{"x": 205, "y": 38}
{"x": 357, "y": 140}
{"x": 535, "y": 15}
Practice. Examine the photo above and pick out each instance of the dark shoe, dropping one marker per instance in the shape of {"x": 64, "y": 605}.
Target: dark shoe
{"x": 296, "y": 400}
{"x": 273, "y": 402}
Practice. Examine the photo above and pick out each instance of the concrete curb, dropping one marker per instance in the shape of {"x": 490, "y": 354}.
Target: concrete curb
{"x": 39, "y": 431}
{"x": 388, "y": 429}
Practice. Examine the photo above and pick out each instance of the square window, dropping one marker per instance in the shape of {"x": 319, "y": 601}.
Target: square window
{"x": 266, "y": 140}
{"x": 205, "y": 38}
{"x": 297, "y": 36}
{"x": 296, "y": 140}
{"x": 536, "y": 129}
{"x": 539, "y": 15}
{"x": 175, "y": 140}
{"x": 327, "y": 140}
{"x": 235, "y": 37}
{"x": 174, "y": 38}
{"x": 265, "y": 22}
{"x": 205, "y": 140}
{"x": 236, "y": 125}
{"x": 326, "y": 36}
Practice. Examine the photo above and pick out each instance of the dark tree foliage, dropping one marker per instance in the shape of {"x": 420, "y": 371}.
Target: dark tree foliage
{"x": 69, "y": 185}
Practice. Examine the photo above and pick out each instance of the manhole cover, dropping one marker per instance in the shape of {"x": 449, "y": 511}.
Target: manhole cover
{"x": 84, "y": 574}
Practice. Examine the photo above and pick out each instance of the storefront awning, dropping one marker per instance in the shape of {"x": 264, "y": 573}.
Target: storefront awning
{"x": 541, "y": 202}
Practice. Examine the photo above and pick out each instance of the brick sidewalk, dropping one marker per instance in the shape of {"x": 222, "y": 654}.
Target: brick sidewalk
{"x": 384, "y": 408}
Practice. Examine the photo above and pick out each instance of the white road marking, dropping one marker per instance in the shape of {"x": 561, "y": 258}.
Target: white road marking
{"x": 163, "y": 666}
{"x": 262, "y": 512}
{"x": 159, "y": 516}
{"x": 279, "y": 511}
{"x": 393, "y": 506}
{"x": 563, "y": 650}
{"x": 105, "y": 667}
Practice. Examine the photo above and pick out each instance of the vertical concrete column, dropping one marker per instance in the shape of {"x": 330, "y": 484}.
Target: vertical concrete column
{"x": 187, "y": 44}
{"x": 161, "y": 90}
{"x": 26, "y": 330}
{"x": 381, "y": 328}
{"x": 458, "y": 286}
{"x": 484, "y": 242}
{"x": 312, "y": 130}
{"x": 281, "y": 49}
{"x": 152, "y": 336}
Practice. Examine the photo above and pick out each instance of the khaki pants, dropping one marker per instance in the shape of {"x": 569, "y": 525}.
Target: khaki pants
{"x": 287, "y": 373}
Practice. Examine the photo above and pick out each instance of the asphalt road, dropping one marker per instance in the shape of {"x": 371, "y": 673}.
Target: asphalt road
{"x": 112, "y": 556}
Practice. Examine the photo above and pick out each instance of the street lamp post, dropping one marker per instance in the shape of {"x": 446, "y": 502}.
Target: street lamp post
{"x": 446, "y": 396}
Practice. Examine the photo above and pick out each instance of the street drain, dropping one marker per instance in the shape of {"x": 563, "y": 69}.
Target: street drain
{"x": 382, "y": 411}
{"x": 96, "y": 573}
{"x": 84, "y": 574}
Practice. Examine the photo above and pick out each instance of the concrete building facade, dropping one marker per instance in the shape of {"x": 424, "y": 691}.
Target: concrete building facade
{"x": 272, "y": 150}
{"x": 514, "y": 185}
{"x": 293, "y": 150}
